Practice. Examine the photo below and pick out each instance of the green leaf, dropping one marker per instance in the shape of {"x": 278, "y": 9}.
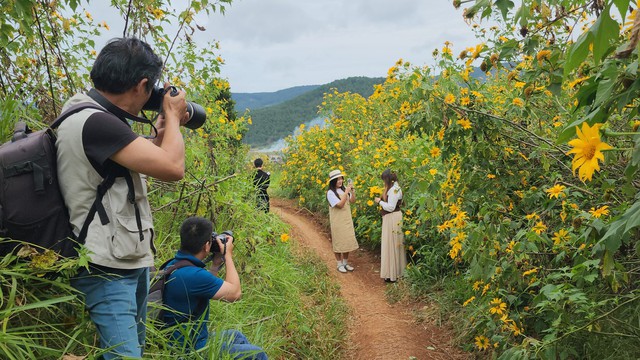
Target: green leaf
{"x": 607, "y": 263}
{"x": 569, "y": 132}
{"x": 613, "y": 238}
{"x": 578, "y": 52}
{"x": 633, "y": 215}
{"x": 635, "y": 157}
{"x": 504, "y": 6}
{"x": 622, "y": 6}
{"x": 521, "y": 15}
{"x": 604, "y": 31}
{"x": 605, "y": 89}
{"x": 606, "y": 84}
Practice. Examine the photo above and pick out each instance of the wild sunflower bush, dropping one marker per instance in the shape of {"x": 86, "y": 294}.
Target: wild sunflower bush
{"x": 519, "y": 163}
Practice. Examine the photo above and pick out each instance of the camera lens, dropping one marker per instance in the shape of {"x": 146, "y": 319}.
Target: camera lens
{"x": 197, "y": 115}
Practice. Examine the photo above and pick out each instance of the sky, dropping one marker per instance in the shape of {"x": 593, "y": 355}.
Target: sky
{"x": 277, "y": 44}
{"x": 270, "y": 45}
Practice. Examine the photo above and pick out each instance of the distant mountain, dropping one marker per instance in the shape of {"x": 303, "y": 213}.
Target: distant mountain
{"x": 275, "y": 122}
{"x": 257, "y": 100}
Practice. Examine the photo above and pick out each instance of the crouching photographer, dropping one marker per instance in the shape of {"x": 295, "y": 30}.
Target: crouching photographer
{"x": 189, "y": 289}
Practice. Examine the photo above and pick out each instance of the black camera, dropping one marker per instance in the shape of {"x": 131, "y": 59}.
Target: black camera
{"x": 197, "y": 115}
{"x": 224, "y": 237}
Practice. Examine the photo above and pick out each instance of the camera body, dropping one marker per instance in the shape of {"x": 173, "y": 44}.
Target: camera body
{"x": 223, "y": 237}
{"x": 197, "y": 115}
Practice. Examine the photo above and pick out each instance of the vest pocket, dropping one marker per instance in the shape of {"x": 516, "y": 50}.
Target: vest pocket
{"x": 126, "y": 243}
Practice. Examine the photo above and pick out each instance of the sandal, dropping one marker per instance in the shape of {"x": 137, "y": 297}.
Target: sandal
{"x": 349, "y": 267}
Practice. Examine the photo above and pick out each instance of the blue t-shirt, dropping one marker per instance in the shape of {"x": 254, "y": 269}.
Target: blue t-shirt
{"x": 184, "y": 290}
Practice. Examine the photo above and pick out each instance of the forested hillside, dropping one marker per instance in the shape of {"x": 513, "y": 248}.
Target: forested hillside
{"x": 246, "y": 101}
{"x": 276, "y": 122}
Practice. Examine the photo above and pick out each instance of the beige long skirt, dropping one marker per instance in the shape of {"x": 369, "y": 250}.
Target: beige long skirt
{"x": 343, "y": 235}
{"x": 393, "y": 256}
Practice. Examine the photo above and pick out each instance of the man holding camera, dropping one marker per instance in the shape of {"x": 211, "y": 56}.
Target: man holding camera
{"x": 188, "y": 290}
{"x": 102, "y": 167}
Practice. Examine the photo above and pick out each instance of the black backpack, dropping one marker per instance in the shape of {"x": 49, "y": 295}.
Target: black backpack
{"x": 32, "y": 209}
{"x": 156, "y": 301}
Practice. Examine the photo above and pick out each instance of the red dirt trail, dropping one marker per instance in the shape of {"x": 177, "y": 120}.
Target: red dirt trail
{"x": 377, "y": 330}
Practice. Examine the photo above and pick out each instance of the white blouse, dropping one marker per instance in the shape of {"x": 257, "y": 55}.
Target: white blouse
{"x": 393, "y": 196}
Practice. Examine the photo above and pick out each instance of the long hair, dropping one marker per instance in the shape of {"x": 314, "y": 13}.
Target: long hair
{"x": 333, "y": 186}
{"x": 123, "y": 63}
{"x": 388, "y": 177}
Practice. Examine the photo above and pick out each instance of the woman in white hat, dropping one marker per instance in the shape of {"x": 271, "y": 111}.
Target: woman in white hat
{"x": 343, "y": 236}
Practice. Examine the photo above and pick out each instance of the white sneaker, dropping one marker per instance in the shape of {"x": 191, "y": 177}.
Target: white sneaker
{"x": 342, "y": 269}
{"x": 349, "y": 267}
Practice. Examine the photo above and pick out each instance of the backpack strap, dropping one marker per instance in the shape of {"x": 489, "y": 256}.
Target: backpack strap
{"x": 97, "y": 207}
{"x": 73, "y": 110}
{"x": 202, "y": 304}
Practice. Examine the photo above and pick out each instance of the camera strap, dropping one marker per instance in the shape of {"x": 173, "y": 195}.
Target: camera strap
{"x": 118, "y": 112}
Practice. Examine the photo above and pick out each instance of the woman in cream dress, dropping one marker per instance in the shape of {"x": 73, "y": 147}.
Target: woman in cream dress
{"x": 392, "y": 253}
{"x": 343, "y": 236}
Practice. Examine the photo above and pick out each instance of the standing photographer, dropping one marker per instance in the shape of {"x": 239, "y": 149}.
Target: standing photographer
{"x": 188, "y": 290}
{"x": 102, "y": 168}
{"x": 261, "y": 180}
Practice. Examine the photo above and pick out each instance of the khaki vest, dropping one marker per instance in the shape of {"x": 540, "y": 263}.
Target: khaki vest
{"x": 117, "y": 244}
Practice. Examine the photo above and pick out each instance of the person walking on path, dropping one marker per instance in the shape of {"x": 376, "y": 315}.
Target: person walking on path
{"x": 261, "y": 181}
{"x": 343, "y": 236}
{"x": 392, "y": 254}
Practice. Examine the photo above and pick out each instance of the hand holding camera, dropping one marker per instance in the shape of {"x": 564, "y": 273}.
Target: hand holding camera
{"x": 225, "y": 242}
{"x": 221, "y": 247}
{"x": 169, "y": 99}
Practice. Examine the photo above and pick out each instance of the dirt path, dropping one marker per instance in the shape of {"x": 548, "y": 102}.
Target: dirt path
{"x": 378, "y": 330}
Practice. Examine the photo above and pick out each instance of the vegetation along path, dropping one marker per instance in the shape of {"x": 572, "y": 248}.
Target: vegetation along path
{"x": 378, "y": 330}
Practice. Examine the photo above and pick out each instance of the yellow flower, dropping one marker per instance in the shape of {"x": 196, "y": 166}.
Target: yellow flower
{"x": 588, "y": 149}
{"x": 555, "y": 191}
{"x": 597, "y": 213}
{"x": 284, "y": 237}
{"x": 539, "y": 227}
{"x": 449, "y": 99}
{"x": 532, "y": 216}
{"x": 559, "y": 237}
{"x": 468, "y": 301}
{"x": 482, "y": 342}
{"x": 435, "y": 152}
{"x": 518, "y": 102}
{"x": 465, "y": 123}
{"x": 477, "y": 284}
{"x": 485, "y": 289}
{"x": 491, "y": 176}
{"x": 499, "y": 307}
{"x": 542, "y": 55}
{"x": 529, "y": 272}
{"x": 578, "y": 81}
{"x": 433, "y": 171}
{"x": 370, "y": 203}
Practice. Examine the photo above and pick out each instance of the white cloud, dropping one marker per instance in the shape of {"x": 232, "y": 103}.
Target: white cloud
{"x": 276, "y": 44}
{"x": 272, "y": 45}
